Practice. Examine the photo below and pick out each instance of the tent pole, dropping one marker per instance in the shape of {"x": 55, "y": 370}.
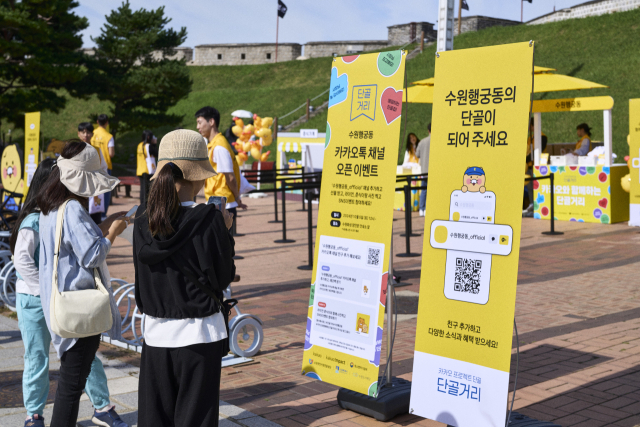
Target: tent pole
{"x": 537, "y": 138}
{"x": 608, "y": 137}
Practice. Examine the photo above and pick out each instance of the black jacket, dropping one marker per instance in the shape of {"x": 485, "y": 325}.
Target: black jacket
{"x": 201, "y": 247}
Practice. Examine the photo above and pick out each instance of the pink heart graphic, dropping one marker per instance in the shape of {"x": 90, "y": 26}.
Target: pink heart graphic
{"x": 349, "y": 59}
{"x": 603, "y": 202}
{"x": 391, "y": 104}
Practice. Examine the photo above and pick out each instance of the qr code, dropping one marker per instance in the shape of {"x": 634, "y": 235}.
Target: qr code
{"x": 467, "y": 275}
{"x": 374, "y": 256}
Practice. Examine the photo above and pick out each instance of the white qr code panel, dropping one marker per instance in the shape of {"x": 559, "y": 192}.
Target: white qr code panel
{"x": 467, "y": 276}
{"x": 373, "y": 256}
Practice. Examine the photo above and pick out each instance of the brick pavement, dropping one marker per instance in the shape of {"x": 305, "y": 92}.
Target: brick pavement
{"x": 577, "y": 311}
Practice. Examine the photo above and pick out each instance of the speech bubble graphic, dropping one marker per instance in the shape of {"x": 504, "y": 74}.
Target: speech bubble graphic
{"x": 389, "y": 62}
{"x": 391, "y": 104}
{"x": 338, "y": 88}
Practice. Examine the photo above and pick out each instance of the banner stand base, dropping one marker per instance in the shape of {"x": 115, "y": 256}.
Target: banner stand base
{"x": 391, "y": 401}
{"x": 519, "y": 420}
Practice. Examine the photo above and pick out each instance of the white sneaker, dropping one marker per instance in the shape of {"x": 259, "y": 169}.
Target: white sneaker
{"x": 421, "y": 213}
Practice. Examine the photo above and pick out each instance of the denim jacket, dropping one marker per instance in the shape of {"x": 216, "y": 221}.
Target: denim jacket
{"x": 82, "y": 249}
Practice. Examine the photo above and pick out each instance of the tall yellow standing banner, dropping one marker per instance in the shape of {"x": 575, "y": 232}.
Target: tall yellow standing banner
{"x": 634, "y": 154}
{"x": 353, "y": 239}
{"x": 31, "y": 147}
{"x": 481, "y": 105}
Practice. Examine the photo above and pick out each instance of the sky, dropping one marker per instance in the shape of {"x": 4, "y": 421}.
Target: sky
{"x": 254, "y": 21}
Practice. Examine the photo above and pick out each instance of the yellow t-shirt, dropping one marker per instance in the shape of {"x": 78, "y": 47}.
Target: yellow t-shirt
{"x": 100, "y": 140}
{"x": 217, "y": 185}
{"x": 141, "y": 160}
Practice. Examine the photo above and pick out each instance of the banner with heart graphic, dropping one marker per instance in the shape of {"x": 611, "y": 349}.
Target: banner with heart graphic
{"x": 349, "y": 281}
{"x": 391, "y": 104}
{"x": 582, "y": 194}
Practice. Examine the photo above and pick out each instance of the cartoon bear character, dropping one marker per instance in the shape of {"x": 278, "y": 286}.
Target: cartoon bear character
{"x": 474, "y": 180}
{"x": 360, "y": 326}
{"x": 96, "y": 201}
{"x": 366, "y": 290}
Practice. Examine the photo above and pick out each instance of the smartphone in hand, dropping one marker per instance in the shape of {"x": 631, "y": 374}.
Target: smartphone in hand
{"x": 132, "y": 212}
{"x": 219, "y": 201}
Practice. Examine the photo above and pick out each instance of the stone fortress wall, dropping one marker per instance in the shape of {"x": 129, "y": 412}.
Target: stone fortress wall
{"x": 245, "y": 53}
{"x": 321, "y": 49}
{"x": 397, "y": 35}
{"x": 478, "y": 22}
{"x": 590, "y": 8}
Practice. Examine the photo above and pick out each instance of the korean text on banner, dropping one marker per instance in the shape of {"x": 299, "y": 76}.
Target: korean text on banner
{"x": 31, "y": 147}
{"x": 470, "y": 255}
{"x": 634, "y": 170}
{"x": 348, "y": 291}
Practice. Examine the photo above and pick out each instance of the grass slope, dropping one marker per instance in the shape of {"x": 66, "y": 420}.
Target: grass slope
{"x": 603, "y": 49}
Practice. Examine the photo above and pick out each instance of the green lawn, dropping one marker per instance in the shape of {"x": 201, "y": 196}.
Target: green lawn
{"x": 604, "y": 49}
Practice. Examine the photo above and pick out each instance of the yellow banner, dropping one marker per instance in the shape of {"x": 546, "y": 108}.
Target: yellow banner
{"x": 348, "y": 293}
{"x": 31, "y": 147}
{"x": 472, "y": 234}
{"x": 572, "y": 104}
{"x": 582, "y": 193}
{"x": 634, "y": 154}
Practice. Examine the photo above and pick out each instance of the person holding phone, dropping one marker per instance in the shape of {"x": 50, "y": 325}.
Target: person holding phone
{"x": 25, "y": 248}
{"x": 76, "y": 177}
{"x": 183, "y": 258}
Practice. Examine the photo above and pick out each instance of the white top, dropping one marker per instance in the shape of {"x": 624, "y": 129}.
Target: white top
{"x": 151, "y": 161}
{"x": 111, "y": 143}
{"x": 224, "y": 164}
{"x": 103, "y": 162}
{"x": 173, "y": 333}
{"x": 25, "y": 263}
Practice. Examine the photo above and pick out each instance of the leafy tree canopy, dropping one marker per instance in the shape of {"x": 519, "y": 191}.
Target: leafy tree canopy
{"x": 39, "y": 54}
{"x": 131, "y": 69}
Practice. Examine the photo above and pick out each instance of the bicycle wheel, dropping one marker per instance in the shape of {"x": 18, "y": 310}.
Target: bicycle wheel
{"x": 8, "y": 281}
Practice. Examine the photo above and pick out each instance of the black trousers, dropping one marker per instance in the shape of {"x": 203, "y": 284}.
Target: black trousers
{"x": 75, "y": 366}
{"x": 180, "y": 387}
{"x": 145, "y": 183}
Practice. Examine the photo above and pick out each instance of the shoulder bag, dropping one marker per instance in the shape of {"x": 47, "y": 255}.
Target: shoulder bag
{"x": 77, "y": 314}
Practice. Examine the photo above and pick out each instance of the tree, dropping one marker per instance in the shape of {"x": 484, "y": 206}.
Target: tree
{"x": 39, "y": 54}
{"x": 132, "y": 71}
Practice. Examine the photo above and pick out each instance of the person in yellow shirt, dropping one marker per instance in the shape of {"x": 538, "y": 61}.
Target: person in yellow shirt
{"x": 410, "y": 152}
{"x": 104, "y": 142}
{"x": 147, "y": 155}
{"x": 85, "y": 133}
{"x": 227, "y": 181}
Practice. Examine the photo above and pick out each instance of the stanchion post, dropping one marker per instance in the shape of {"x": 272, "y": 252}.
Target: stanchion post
{"x": 275, "y": 201}
{"x": 303, "y": 192}
{"x": 284, "y": 216}
{"x": 309, "y": 197}
{"x": 407, "y": 210}
{"x": 553, "y": 231}
{"x": 407, "y": 222}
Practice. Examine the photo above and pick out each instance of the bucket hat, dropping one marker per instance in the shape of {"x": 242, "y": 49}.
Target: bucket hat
{"x": 187, "y": 150}
{"x": 83, "y": 174}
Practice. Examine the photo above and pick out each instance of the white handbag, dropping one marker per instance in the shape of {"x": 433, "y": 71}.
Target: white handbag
{"x": 77, "y": 314}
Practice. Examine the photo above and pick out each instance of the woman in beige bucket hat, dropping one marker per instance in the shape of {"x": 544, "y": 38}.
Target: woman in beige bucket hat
{"x": 77, "y": 176}
{"x": 183, "y": 258}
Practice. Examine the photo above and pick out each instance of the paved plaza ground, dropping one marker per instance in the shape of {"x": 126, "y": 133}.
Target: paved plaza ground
{"x": 577, "y": 312}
